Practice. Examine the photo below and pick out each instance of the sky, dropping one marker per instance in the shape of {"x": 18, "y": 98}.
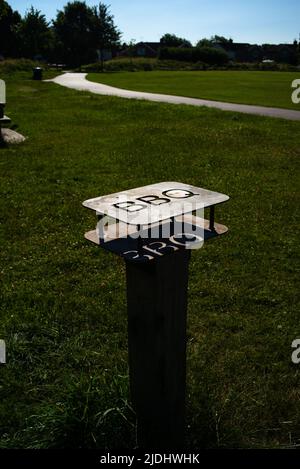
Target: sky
{"x": 253, "y": 21}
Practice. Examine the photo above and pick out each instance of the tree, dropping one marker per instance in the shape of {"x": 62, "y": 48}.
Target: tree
{"x": 207, "y": 55}
{"x": 81, "y": 30}
{"x": 254, "y": 53}
{"x": 106, "y": 34}
{"x": 35, "y": 35}
{"x": 213, "y": 41}
{"x": 221, "y": 40}
{"x": 74, "y": 33}
{"x": 9, "y": 21}
{"x": 171, "y": 40}
{"x": 204, "y": 43}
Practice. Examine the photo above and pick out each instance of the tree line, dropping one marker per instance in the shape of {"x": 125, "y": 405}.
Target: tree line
{"x": 81, "y": 34}
{"x": 218, "y": 50}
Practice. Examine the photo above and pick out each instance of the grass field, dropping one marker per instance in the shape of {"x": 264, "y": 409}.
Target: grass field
{"x": 63, "y": 304}
{"x": 262, "y": 88}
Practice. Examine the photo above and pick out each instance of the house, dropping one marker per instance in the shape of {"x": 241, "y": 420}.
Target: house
{"x": 283, "y": 53}
{"x": 244, "y": 52}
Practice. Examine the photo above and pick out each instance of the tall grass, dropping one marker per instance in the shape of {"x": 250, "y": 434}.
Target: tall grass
{"x": 63, "y": 301}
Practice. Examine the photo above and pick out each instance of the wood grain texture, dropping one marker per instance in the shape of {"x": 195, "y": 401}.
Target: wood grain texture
{"x": 157, "y": 307}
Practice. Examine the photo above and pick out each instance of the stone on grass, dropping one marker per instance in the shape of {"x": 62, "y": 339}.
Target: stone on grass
{"x": 11, "y": 136}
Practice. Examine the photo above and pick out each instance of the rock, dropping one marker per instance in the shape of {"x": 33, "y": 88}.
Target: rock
{"x": 10, "y": 136}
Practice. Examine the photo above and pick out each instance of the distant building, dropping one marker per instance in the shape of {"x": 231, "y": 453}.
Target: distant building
{"x": 142, "y": 49}
{"x": 106, "y": 53}
{"x": 244, "y": 52}
{"x": 236, "y": 51}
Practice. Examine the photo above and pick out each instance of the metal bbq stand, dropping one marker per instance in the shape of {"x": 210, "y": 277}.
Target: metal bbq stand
{"x": 144, "y": 226}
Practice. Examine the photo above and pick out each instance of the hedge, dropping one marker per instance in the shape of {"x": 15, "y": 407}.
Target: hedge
{"x": 208, "y": 55}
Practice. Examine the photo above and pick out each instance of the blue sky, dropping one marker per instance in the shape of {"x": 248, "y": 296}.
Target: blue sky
{"x": 256, "y": 21}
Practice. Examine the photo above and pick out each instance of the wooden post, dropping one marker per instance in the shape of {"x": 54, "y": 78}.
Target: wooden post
{"x": 3, "y": 119}
{"x": 157, "y": 310}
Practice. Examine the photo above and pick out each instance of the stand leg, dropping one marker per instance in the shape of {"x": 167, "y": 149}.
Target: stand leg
{"x": 157, "y": 306}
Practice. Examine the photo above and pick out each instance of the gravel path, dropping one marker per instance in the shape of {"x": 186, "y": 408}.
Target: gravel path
{"x": 78, "y": 81}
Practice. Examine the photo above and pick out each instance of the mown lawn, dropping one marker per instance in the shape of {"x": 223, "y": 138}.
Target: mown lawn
{"x": 261, "y": 88}
{"x": 63, "y": 304}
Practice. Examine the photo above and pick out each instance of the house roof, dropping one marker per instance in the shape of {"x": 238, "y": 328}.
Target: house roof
{"x": 233, "y": 45}
{"x": 151, "y": 45}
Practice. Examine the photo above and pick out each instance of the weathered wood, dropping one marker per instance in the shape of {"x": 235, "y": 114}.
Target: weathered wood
{"x": 3, "y": 119}
{"x": 2, "y": 99}
{"x": 157, "y": 308}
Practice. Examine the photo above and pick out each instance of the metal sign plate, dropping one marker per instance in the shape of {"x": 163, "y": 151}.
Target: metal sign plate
{"x": 154, "y": 203}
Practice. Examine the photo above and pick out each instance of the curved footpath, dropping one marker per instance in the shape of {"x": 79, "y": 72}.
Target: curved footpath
{"x": 78, "y": 81}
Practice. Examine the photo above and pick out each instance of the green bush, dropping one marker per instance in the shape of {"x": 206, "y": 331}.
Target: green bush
{"x": 118, "y": 65}
{"x": 143, "y": 64}
{"x": 259, "y": 66}
{"x": 138, "y": 64}
{"x": 199, "y": 66}
{"x": 17, "y": 65}
{"x": 173, "y": 65}
{"x": 176, "y": 53}
{"x": 208, "y": 55}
